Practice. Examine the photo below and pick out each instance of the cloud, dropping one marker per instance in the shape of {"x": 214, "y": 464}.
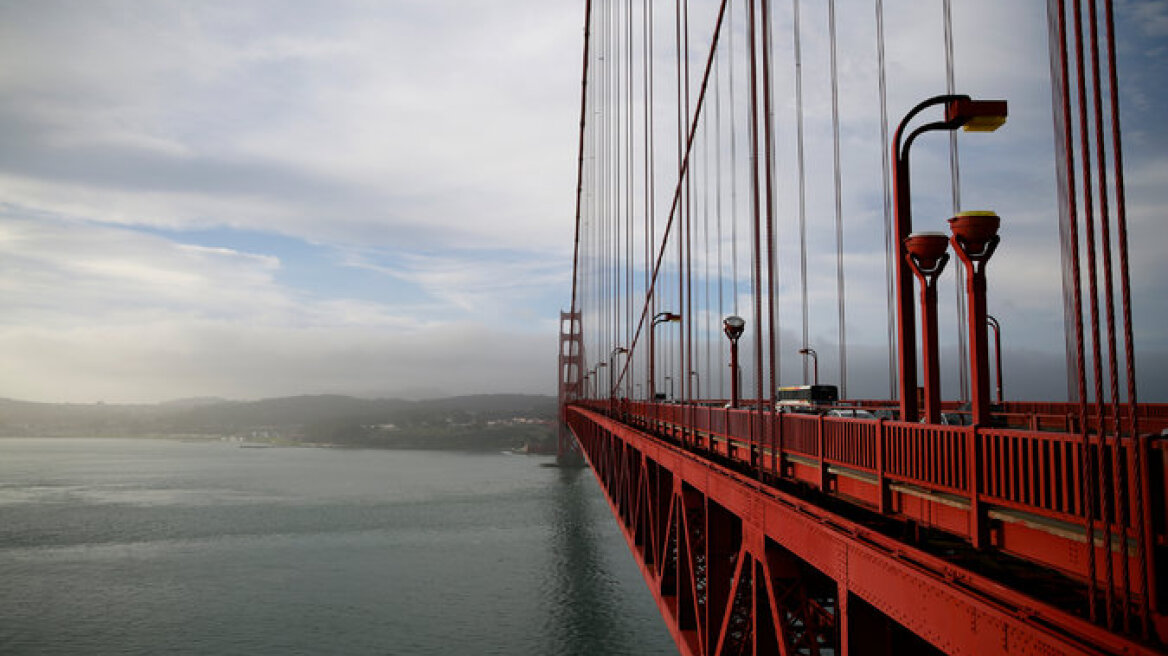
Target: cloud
{"x": 108, "y": 313}
{"x": 283, "y": 197}
{"x": 261, "y": 195}
{"x": 1151, "y": 15}
{"x": 356, "y": 123}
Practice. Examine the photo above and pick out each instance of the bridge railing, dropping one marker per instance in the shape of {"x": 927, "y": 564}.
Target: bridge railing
{"x": 1042, "y": 474}
{"x": 1045, "y": 473}
{"x": 852, "y": 443}
{"x": 925, "y": 454}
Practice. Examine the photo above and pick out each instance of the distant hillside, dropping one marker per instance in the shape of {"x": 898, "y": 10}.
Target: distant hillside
{"x": 319, "y": 418}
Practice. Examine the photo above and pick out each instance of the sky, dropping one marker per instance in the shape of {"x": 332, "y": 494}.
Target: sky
{"x": 252, "y": 199}
{"x": 256, "y": 199}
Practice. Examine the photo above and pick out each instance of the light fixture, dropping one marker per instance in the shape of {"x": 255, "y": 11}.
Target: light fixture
{"x": 733, "y": 326}
{"x": 976, "y": 115}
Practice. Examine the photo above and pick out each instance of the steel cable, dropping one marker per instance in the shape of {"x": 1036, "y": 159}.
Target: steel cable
{"x": 839, "y": 225}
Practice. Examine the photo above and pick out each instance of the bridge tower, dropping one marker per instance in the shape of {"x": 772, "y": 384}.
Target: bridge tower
{"x": 571, "y": 364}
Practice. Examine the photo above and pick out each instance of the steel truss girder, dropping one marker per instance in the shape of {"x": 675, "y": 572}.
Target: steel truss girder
{"x": 738, "y": 567}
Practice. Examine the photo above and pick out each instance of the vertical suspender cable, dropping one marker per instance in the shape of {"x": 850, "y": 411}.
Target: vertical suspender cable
{"x": 773, "y": 276}
{"x": 617, "y": 177}
{"x": 955, "y": 185}
{"x": 768, "y": 436}
{"x": 602, "y": 191}
{"x": 755, "y": 202}
{"x": 1087, "y": 477}
{"x": 630, "y": 259}
{"x": 615, "y": 198}
{"x": 682, "y": 209}
{"x": 889, "y": 247}
{"x": 839, "y": 220}
{"x": 597, "y": 185}
{"x": 621, "y": 229}
{"x": 615, "y": 214}
{"x": 717, "y": 213}
{"x": 802, "y": 178}
{"x": 618, "y": 214}
{"x": 1119, "y": 515}
{"x": 1143, "y": 527}
{"x": 606, "y": 206}
{"x": 646, "y": 194}
{"x": 1056, "y": 41}
{"x": 650, "y": 185}
{"x": 1093, "y": 307}
{"x": 601, "y": 183}
{"x": 706, "y": 245}
{"x": 688, "y": 360}
{"x": 733, "y": 178}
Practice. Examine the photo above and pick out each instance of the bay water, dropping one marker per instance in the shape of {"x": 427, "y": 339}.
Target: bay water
{"x": 135, "y": 546}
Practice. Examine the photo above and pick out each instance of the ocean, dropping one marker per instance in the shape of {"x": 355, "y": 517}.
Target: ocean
{"x": 136, "y": 546}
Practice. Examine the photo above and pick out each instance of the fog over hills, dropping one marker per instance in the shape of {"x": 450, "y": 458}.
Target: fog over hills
{"x": 455, "y": 421}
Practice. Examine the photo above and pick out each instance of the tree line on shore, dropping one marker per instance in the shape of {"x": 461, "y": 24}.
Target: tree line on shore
{"x": 462, "y": 422}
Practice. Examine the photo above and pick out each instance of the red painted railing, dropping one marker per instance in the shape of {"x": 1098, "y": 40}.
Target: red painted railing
{"x": 932, "y": 456}
{"x": 1040, "y": 476}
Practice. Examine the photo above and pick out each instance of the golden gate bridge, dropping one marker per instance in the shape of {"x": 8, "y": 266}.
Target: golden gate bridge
{"x": 773, "y": 514}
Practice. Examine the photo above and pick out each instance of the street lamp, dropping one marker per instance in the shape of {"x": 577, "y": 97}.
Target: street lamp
{"x": 960, "y": 111}
{"x": 927, "y": 256}
{"x": 597, "y": 379}
{"x": 975, "y": 237}
{"x": 733, "y": 326}
{"x": 659, "y": 318}
{"x": 612, "y": 369}
{"x": 814, "y": 360}
{"x": 997, "y": 351}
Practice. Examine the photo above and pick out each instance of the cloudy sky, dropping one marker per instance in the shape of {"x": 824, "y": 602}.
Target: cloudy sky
{"x": 252, "y": 199}
{"x": 249, "y": 199}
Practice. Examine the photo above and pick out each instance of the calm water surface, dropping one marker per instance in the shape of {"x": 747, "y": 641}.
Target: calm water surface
{"x": 151, "y": 546}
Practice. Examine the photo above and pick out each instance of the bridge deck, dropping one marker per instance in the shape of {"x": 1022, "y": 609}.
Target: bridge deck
{"x": 795, "y": 494}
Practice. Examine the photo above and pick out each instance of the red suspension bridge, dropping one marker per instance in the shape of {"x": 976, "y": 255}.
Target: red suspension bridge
{"x": 772, "y": 514}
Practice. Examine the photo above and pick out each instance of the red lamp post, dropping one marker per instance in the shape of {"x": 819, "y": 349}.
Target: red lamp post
{"x": 733, "y": 326}
{"x": 975, "y": 237}
{"x": 927, "y": 257}
{"x": 960, "y": 111}
{"x": 659, "y": 318}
